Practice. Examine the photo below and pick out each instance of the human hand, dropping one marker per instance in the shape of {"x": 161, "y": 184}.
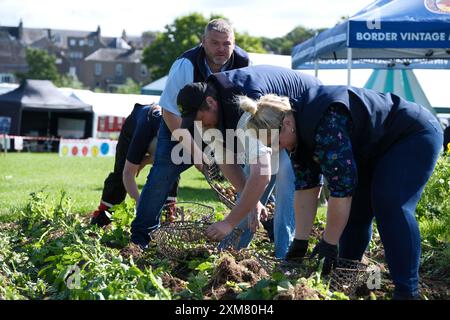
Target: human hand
{"x": 328, "y": 252}
{"x": 264, "y": 213}
{"x": 256, "y": 215}
{"x": 154, "y": 106}
{"x": 219, "y": 230}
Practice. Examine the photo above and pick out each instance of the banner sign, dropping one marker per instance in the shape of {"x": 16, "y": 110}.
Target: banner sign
{"x": 87, "y": 148}
{"x": 376, "y": 64}
{"x": 395, "y": 35}
{"x": 18, "y": 143}
{"x": 386, "y": 29}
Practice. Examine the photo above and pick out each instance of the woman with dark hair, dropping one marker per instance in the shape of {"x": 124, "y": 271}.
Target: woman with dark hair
{"x": 376, "y": 151}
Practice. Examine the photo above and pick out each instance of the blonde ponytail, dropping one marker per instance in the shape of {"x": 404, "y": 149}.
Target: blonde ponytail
{"x": 248, "y": 105}
{"x": 267, "y": 113}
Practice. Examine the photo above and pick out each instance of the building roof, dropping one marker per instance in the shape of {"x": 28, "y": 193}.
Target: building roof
{"x": 31, "y": 35}
{"x": 118, "y": 55}
{"x": 136, "y": 41}
{"x": 117, "y": 43}
{"x": 61, "y": 36}
{"x": 13, "y": 31}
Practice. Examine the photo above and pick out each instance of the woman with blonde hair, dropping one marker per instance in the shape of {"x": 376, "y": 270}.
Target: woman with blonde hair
{"x": 213, "y": 104}
{"x": 376, "y": 151}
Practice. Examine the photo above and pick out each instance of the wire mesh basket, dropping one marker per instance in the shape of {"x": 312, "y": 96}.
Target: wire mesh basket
{"x": 183, "y": 231}
{"x": 187, "y": 211}
{"x": 179, "y": 239}
{"x": 223, "y": 189}
{"x": 349, "y": 275}
{"x": 175, "y": 239}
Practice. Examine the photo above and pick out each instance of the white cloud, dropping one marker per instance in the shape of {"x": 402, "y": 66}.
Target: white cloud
{"x": 268, "y": 18}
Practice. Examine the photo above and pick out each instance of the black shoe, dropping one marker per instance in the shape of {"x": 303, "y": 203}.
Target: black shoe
{"x": 142, "y": 242}
{"x": 100, "y": 218}
{"x": 297, "y": 251}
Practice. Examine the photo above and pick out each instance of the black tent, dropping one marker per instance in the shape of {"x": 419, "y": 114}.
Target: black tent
{"x": 37, "y": 108}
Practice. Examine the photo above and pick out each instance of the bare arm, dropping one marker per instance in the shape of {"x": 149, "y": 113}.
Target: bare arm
{"x": 252, "y": 192}
{"x": 337, "y": 218}
{"x": 306, "y": 202}
{"x": 249, "y": 200}
{"x": 130, "y": 172}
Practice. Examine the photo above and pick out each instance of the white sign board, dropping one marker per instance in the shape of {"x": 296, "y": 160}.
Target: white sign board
{"x": 18, "y": 143}
{"x": 87, "y": 148}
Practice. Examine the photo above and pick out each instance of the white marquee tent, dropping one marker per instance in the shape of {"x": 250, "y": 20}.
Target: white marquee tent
{"x": 107, "y": 106}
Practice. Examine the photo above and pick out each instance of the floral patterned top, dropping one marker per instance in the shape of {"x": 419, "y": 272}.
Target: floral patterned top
{"x": 334, "y": 155}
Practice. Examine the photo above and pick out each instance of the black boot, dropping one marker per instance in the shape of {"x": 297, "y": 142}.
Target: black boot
{"x": 101, "y": 218}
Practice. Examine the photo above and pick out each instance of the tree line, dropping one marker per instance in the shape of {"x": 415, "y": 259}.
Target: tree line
{"x": 187, "y": 31}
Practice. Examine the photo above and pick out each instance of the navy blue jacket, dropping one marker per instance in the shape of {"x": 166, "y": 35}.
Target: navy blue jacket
{"x": 254, "y": 82}
{"x": 143, "y": 129}
{"x": 379, "y": 120}
{"x": 239, "y": 59}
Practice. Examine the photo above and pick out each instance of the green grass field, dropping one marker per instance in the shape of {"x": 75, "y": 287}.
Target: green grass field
{"x": 40, "y": 246}
{"x": 81, "y": 178}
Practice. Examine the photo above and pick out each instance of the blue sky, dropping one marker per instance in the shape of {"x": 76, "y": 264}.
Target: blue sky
{"x": 270, "y": 18}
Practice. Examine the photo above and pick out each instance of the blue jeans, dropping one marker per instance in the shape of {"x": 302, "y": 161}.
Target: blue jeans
{"x": 284, "y": 223}
{"x": 284, "y": 218}
{"x": 389, "y": 190}
{"x": 163, "y": 174}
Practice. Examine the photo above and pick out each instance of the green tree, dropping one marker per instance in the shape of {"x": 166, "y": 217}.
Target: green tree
{"x": 41, "y": 66}
{"x": 249, "y": 43}
{"x": 130, "y": 87}
{"x": 273, "y": 45}
{"x": 183, "y": 34}
{"x": 284, "y": 45}
{"x": 68, "y": 81}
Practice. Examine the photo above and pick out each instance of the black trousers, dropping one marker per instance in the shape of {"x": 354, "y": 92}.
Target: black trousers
{"x": 113, "y": 190}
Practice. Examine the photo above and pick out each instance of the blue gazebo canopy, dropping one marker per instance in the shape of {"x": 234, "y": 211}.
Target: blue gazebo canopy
{"x": 418, "y": 30}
